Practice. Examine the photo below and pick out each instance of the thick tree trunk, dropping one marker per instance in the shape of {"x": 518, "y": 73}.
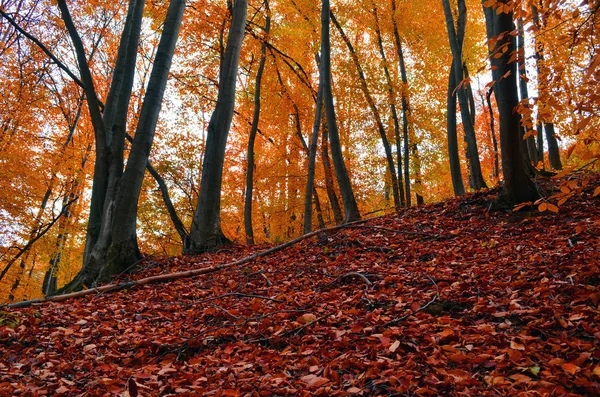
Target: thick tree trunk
{"x": 455, "y": 172}
{"x": 518, "y": 187}
{"x": 206, "y": 231}
{"x": 252, "y": 136}
{"x": 467, "y": 120}
{"x": 350, "y": 206}
{"x": 373, "y": 106}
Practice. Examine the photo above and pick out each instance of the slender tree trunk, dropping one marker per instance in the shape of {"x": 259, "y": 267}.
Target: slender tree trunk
{"x": 418, "y": 177}
{"x": 518, "y": 187}
{"x": 329, "y": 180}
{"x": 543, "y": 116}
{"x": 206, "y": 231}
{"x": 312, "y": 156}
{"x": 530, "y": 140}
{"x": 493, "y": 134}
{"x": 405, "y": 106}
{"x": 457, "y": 181}
{"x": 371, "y": 102}
{"x": 350, "y": 206}
{"x": 253, "y": 129}
{"x": 392, "y": 103}
{"x": 456, "y": 42}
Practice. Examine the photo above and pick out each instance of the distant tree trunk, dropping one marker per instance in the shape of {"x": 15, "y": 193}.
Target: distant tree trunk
{"x": 206, "y": 231}
{"x": 488, "y": 98}
{"x": 530, "y": 140}
{"x": 392, "y": 104}
{"x": 373, "y": 106}
{"x": 455, "y": 172}
{"x": 540, "y": 142}
{"x": 518, "y": 187}
{"x": 418, "y": 177}
{"x": 405, "y": 107}
{"x": 253, "y": 129}
{"x": 338, "y": 217}
{"x": 456, "y": 41}
{"x": 553, "y": 151}
{"x": 350, "y": 206}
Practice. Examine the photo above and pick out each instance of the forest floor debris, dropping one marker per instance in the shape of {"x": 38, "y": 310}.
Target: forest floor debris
{"x": 459, "y": 302}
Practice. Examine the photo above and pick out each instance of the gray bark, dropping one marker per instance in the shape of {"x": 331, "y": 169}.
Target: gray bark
{"x": 338, "y": 217}
{"x": 252, "y": 135}
{"x": 523, "y": 89}
{"x": 350, "y": 206}
{"x": 456, "y": 42}
{"x": 405, "y": 107}
{"x": 312, "y": 156}
{"x": 206, "y": 231}
{"x": 455, "y": 172}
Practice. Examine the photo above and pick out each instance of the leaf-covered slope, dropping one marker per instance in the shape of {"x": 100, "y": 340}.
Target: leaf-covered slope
{"x": 442, "y": 299}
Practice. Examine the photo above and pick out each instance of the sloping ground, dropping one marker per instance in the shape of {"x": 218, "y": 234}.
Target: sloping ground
{"x": 443, "y": 299}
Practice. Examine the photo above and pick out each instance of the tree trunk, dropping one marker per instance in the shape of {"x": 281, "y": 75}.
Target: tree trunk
{"x": 350, "y": 206}
{"x": 392, "y": 104}
{"x": 338, "y": 217}
{"x": 253, "y": 129}
{"x": 206, "y": 231}
{"x": 405, "y": 107}
{"x": 540, "y": 142}
{"x": 312, "y": 156}
{"x": 553, "y": 152}
{"x": 457, "y": 181}
{"x": 518, "y": 187}
{"x": 371, "y": 102}
{"x": 456, "y": 42}
{"x": 530, "y": 140}
{"x": 493, "y": 134}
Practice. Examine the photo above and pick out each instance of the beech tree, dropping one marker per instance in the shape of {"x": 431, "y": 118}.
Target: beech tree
{"x": 206, "y": 233}
{"x": 518, "y": 187}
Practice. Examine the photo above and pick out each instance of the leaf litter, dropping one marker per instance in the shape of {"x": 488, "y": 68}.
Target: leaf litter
{"x": 442, "y": 299}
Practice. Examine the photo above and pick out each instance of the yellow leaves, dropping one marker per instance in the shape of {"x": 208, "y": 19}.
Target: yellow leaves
{"x": 547, "y": 207}
{"x": 570, "y": 368}
{"x": 596, "y": 192}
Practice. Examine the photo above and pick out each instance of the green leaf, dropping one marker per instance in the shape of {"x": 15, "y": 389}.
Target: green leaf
{"x": 535, "y": 370}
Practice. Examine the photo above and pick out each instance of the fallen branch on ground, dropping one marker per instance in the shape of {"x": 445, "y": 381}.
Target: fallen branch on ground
{"x": 190, "y": 273}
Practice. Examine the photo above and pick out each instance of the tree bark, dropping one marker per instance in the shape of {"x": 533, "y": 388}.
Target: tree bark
{"x": 530, "y": 140}
{"x": 467, "y": 121}
{"x": 206, "y": 231}
{"x": 488, "y": 98}
{"x": 518, "y": 188}
{"x": 338, "y": 217}
{"x": 253, "y": 129}
{"x": 312, "y": 156}
{"x": 553, "y": 152}
{"x": 455, "y": 172}
{"x": 350, "y": 206}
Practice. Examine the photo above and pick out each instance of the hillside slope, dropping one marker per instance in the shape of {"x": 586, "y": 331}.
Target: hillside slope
{"x": 442, "y": 299}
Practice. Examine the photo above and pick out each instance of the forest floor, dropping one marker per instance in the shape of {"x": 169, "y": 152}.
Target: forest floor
{"x": 442, "y": 299}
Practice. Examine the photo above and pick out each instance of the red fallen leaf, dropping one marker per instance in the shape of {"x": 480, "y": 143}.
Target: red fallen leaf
{"x": 446, "y": 332}
{"x": 313, "y": 381}
{"x": 62, "y": 390}
{"x": 570, "y": 368}
{"x": 354, "y": 390}
{"x": 521, "y": 378}
{"x": 516, "y": 345}
{"x": 596, "y": 371}
{"x": 231, "y": 392}
{"x": 394, "y": 346}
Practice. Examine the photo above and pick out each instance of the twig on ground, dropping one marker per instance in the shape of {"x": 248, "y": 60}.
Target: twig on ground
{"x": 351, "y": 274}
{"x": 399, "y": 319}
{"x": 238, "y": 294}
